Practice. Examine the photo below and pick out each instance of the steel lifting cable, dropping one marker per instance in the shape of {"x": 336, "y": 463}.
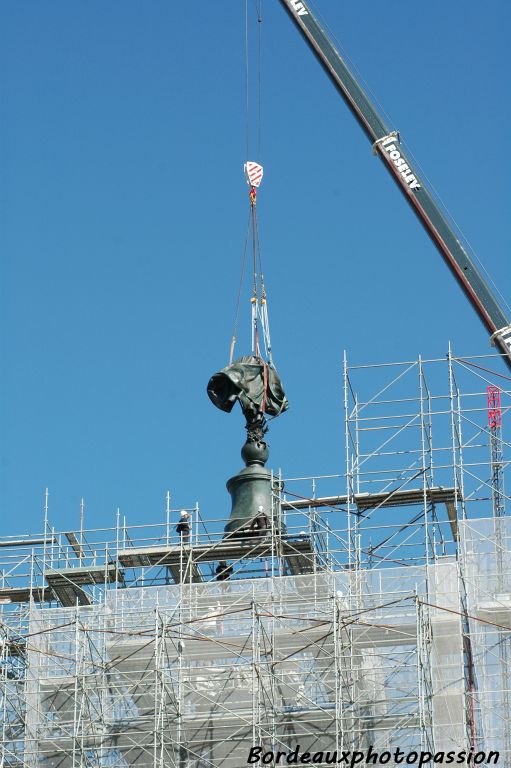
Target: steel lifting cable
{"x": 255, "y": 298}
{"x": 247, "y": 149}
{"x": 254, "y": 175}
{"x": 246, "y": 42}
{"x": 259, "y": 12}
{"x": 247, "y": 85}
{"x": 253, "y": 172}
{"x": 259, "y": 308}
{"x": 265, "y": 323}
{"x": 240, "y": 288}
{"x": 263, "y": 301}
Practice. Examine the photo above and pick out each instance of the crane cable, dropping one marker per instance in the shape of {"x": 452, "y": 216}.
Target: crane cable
{"x": 255, "y": 299}
{"x": 259, "y": 304}
{"x": 263, "y": 304}
{"x": 246, "y": 42}
{"x": 240, "y": 288}
{"x": 253, "y": 173}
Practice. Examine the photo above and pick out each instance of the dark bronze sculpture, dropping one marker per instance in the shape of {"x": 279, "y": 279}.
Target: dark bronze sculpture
{"x": 257, "y": 387}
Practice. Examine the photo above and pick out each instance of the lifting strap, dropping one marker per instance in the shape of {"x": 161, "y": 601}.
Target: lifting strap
{"x": 258, "y": 300}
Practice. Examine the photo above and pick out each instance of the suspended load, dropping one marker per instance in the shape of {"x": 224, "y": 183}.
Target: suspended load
{"x": 251, "y": 382}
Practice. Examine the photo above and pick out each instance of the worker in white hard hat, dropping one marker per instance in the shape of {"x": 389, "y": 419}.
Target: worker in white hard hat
{"x": 183, "y": 526}
{"x": 260, "y": 523}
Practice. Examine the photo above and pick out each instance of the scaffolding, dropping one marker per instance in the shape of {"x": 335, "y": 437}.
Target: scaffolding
{"x": 376, "y": 611}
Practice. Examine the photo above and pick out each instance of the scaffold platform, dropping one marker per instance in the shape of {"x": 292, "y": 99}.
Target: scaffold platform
{"x": 297, "y": 552}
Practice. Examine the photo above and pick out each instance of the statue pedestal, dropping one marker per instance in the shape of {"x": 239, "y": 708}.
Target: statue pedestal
{"x": 249, "y": 489}
{"x": 256, "y": 385}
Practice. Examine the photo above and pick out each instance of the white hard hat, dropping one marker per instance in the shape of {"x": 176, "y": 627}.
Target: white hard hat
{"x": 183, "y": 513}
{"x": 260, "y": 508}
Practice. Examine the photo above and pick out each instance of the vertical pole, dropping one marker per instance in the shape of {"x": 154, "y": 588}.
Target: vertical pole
{"x": 101, "y": 681}
{"x": 458, "y": 473}
{"x": 46, "y": 529}
{"x": 54, "y": 546}
{"x": 347, "y": 461}
{"x": 117, "y": 535}
{"x": 455, "y": 441}
{"x": 424, "y": 465}
{"x": 420, "y": 691}
{"x": 496, "y": 466}
{"x": 355, "y": 527}
{"x": 194, "y": 531}
{"x": 460, "y": 453}
{"x": 273, "y": 681}
{"x": 281, "y": 524}
{"x": 82, "y": 513}
{"x": 167, "y": 519}
{"x": 311, "y": 511}
{"x": 429, "y": 434}
{"x": 4, "y": 687}
{"x": 75, "y": 762}
{"x": 254, "y": 671}
{"x": 424, "y": 673}
{"x": 32, "y": 575}
{"x": 156, "y": 721}
{"x": 467, "y": 661}
{"x": 428, "y": 417}
{"x": 496, "y": 458}
{"x": 274, "y": 553}
{"x": 357, "y": 454}
{"x": 181, "y": 537}
{"x": 337, "y": 672}
{"x": 497, "y": 489}
{"x": 283, "y": 512}
{"x": 180, "y": 647}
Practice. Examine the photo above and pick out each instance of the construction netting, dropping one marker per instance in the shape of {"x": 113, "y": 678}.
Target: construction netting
{"x": 195, "y": 675}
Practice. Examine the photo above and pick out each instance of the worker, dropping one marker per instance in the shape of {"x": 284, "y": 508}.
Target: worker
{"x": 223, "y": 571}
{"x": 183, "y": 526}
{"x": 260, "y": 523}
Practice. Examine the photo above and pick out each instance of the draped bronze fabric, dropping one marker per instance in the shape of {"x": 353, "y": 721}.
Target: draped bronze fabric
{"x": 251, "y": 381}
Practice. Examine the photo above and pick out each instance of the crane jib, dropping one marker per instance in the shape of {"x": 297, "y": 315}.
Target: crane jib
{"x": 390, "y": 147}
{"x": 299, "y": 7}
{"x": 421, "y": 200}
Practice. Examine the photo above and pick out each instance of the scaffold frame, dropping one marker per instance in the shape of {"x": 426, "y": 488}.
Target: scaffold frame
{"x": 376, "y": 611}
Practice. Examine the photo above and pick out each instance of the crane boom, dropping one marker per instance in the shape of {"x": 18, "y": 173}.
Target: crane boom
{"x": 387, "y": 145}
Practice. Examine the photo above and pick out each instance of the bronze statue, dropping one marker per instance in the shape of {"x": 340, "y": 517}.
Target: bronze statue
{"x": 256, "y": 385}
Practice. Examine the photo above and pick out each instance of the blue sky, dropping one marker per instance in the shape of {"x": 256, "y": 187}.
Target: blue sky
{"x": 123, "y": 211}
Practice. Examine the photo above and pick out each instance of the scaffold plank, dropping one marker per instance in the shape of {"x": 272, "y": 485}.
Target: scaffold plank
{"x": 24, "y": 594}
{"x": 396, "y": 498}
{"x": 108, "y": 573}
{"x": 297, "y": 551}
{"x": 66, "y": 583}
